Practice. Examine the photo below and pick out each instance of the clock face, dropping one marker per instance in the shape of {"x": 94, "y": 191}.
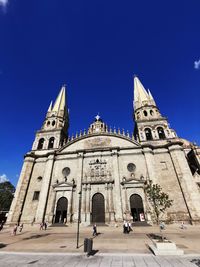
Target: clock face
{"x": 97, "y": 130}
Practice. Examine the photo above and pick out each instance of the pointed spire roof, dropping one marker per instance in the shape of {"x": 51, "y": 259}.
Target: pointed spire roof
{"x": 150, "y": 96}
{"x": 141, "y": 96}
{"x": 60, "y": 100}
{"x": 50, "y": 107}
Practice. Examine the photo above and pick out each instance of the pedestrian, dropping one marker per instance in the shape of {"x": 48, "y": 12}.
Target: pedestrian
{"x": 21, "y": 227}
{"x": 45, "y": 226}
{"x": 126, "y": 227}
{"x": 41, "y": 226}
{"x": 162, "y": 225}
{"x": 182, "y": 225}
{"x": 129, "y": 227}
{"x": 15, "y": 229}
{"x": 94, "y": 230}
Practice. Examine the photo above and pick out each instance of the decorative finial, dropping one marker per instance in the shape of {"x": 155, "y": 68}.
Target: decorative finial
{"x": 97, "y": 117}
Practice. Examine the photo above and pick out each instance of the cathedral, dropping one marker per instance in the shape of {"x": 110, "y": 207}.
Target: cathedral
{"x": 99, "y": 175}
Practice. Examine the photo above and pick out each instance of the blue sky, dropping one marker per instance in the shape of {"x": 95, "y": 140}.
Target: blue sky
{"x": 95, "y": 47}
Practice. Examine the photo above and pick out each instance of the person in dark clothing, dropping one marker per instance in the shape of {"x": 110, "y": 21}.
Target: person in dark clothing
{"x": 94, "y": 230}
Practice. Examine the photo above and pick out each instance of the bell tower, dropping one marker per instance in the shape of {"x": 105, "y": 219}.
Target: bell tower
{"x": 54, "y": 130}
{"x": 150, "y": 125}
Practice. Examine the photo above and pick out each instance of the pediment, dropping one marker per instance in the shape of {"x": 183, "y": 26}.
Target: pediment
{"x": 100, "y": 141}
{"x": 132, "y": 182}
{"x": 63, "y": 186}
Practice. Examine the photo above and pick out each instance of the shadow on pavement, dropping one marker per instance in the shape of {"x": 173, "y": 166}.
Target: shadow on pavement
{"x": 35, "y": 236}
{"x": 2, "y": 245}
{"x": 92, "y": 253}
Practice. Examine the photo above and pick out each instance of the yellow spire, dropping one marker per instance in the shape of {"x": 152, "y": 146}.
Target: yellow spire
{"x": 60, "y": 100}
{"x": 141, "y": 96}
{"x": 50, "y": 107}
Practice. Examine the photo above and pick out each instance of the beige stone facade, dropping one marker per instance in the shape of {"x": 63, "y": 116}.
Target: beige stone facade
{"x": 100, "y": 174}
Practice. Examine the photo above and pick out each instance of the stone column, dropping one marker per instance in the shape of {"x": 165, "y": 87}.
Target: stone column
{"x": 187, "y": 185}
{"x": 51, "y": 213}
{"x": 111, "y": 206}
{"x": 126, "y": 201}
{"x": 19, "y": 199}
{"x": 46, "y": 181}
{"x": 83, "y": 208}
{"x": 106, "y": 204}
{"x": 79, "y": 178}
{"x": 88, "y": 192}
{"x": 72, "y": 204}
{"x": 117, "y": 187}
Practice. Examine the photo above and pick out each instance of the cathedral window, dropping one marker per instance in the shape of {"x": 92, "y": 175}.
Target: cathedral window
{"x": 66, "y": 171}
{"x": 53, "y": 123}
{"x": 36, "y": 195}
{"x": 41, "y": 143}
{"x": 161, "y": 133}
{"x": 138, "y": 115}
{"x": 145, "y": 113}
{"x": 151, "y": 112}
{"x": 51, "y": 142}
{"x": 48, "y": 123}
{"x": 148, "y": 134}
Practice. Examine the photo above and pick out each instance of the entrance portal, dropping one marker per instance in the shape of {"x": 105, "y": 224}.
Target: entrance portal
{"x": 137, "y": 209}
{"x": 98, "y": 208}
{"x": 61, "y": 210}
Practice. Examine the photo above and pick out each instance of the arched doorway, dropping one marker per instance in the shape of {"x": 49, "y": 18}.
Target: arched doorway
{"x": 137, "y": 209}
{"x": 98, "y": 208}
{"x": 61, "y": 210}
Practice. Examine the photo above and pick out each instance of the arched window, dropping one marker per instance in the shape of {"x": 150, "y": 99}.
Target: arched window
{"x": 53, "y": 123}
{"x": 151, "y": 112}
{"x": 148, "y": 134}
{"x": 161, "y": 133}
{"x": 145, "y": 113}
{"x": 40, "y": 143}
{"x": 51, "y": 142}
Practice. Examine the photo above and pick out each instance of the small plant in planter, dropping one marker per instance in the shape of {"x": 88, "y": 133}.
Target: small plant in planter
{"x": 159, "y": 200}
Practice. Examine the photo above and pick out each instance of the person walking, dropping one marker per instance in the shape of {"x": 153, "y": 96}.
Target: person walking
{"x": 126, "y": 227}
{"x": 21, "y": 227}
{"x": 45, "y": 226}
{"x": 41, "y": 225}
{"x": 129, "y": 227}
{"x": 94, "y": 230}
{"x": 15, "y": 229}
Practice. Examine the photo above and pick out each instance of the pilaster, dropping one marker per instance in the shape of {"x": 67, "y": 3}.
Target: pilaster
{"x": 43, "y": 198}
{"x": 117, "y": 188}
{"x": 186, "y": 182}
{"x": 18, "y": 202}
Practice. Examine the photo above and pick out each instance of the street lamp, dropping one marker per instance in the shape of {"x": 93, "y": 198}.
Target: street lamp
{"x": 79, "y": 217}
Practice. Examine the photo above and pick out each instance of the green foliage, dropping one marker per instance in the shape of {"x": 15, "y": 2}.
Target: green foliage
{"x": 160, "y": 201}
{"x": 6, "y": 195}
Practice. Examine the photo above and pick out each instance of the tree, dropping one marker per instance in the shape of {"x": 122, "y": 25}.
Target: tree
{"x": 160, "y": 201}
{"x": 6, "y": 195}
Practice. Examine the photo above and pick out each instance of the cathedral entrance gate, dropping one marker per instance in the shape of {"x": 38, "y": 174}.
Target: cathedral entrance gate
{"x": 98, "y": 208}
{"x": 137, "y": 209}
{"x": 61, "y": 210}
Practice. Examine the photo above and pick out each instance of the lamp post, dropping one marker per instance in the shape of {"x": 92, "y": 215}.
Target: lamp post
{"x": 79, "y": 217}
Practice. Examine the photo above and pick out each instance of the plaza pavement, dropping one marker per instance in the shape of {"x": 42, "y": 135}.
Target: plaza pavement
{"x": 57, "y": 246}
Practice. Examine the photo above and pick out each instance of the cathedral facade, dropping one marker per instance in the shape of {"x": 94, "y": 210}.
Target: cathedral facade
{"x": 99, "y": 175}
